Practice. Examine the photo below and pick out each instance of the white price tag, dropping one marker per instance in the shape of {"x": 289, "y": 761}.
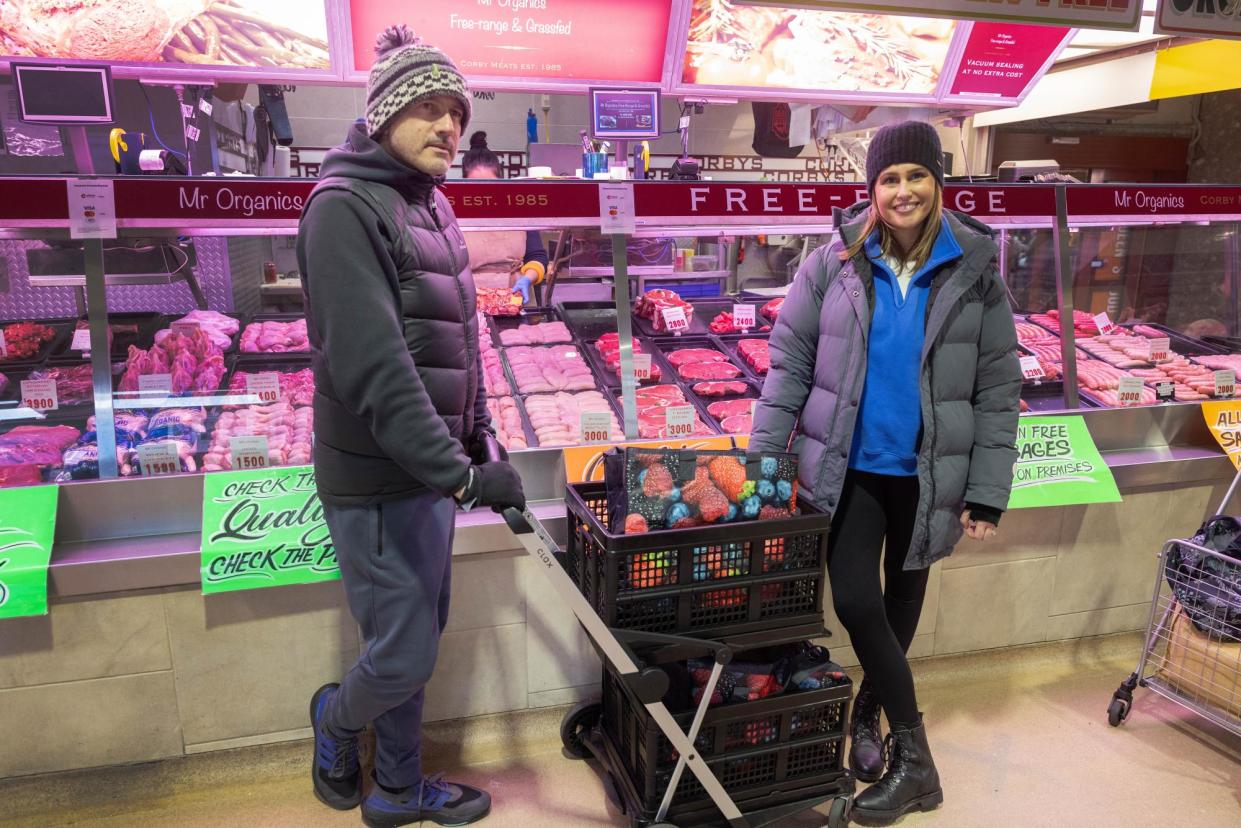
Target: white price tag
{"x": 249, "y": 453}
{"x": 1104, "y": 324}
{"x": 265, "y": 386}
{"x": 205, "y": 106}
{"x": 596, "y": 426}
{"x": 81, "y": 340}
{"x": 92, "y": 208}
{"x": 642, "y": 366}
{"x": 155, "y": 384}
{"x": 159, "y": 458}
{"x": 616, "y": 213}
{"x": 743, "y": 316}
{"x": 1031, "y": 368}
{"x": 1225, "y": 383}
{"x": 40, "y": 395}
{"x": 192, "y": 133}
{"x": 674, "y": 319}
{"x": 4, "y": 346}
{"x": 1130, "y": 391}
{"x": 684, "y": 123}
{"x": 187, "y": 111}
{"x": 679, "y": 420}
{"x": 1165, "y": 391}
{"x": 183, "y": 327}
{"x": 1159, "y": 349}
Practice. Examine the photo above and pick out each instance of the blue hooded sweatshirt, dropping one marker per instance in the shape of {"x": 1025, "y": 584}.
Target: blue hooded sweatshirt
{"x": 885, "y": 440}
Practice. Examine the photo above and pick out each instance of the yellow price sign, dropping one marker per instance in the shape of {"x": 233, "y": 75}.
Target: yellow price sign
{"x": 1224, "y": 420}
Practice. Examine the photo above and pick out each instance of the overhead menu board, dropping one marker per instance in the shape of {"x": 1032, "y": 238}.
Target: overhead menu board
{"x": 1003, "y": 60}
{"x": 1216, "y": 19}
{"x": 552, "y": 44}
{"x": 217, "y": 38}
{"x": 1117, "y": 15}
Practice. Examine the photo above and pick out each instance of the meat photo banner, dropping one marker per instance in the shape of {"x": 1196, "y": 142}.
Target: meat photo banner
{"x": 27, "y": 526}
{"x": 264, "y": 529}
{"x": 1059, "y": 465}
{"x": 1116, "y": 15}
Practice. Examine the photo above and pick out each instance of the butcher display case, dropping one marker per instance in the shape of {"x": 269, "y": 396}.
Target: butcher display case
{"x": 157, "y": 385}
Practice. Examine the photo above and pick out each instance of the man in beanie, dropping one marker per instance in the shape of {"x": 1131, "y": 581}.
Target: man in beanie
{"x": 401, "y": 425}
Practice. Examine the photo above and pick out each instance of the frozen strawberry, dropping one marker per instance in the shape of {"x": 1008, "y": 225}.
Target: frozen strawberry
{"x": 636, "y": 525}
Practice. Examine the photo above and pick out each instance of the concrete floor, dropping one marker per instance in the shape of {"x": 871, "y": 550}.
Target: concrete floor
{"x": 1020, "y": 737}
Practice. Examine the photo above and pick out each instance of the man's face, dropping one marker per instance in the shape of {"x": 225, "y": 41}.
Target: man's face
{"x": 425, "y": 134}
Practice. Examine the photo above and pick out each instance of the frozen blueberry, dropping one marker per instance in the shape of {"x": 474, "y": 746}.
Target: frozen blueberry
{"x": 766, "y": 490}
{"x": 768, "y": 467}
{"x": 678, "y": 511}
{"x": 751, "y": 507}
{"x": 784, "y": 491}
{"x": 674, "y": 495}
{"x": 732, "y": 513}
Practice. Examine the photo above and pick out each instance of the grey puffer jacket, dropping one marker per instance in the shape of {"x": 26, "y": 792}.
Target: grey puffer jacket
{"x": 393, "y": 328}
{"x": 970, "y": 380}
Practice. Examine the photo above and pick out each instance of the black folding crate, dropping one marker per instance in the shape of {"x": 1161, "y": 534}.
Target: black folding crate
{"x": 779, "y": 745}
{"x": 709, "y": 581}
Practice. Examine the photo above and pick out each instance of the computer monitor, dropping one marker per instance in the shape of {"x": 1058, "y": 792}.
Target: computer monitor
{"x": 624, "y": 114}
{"x": 49, "y": 94}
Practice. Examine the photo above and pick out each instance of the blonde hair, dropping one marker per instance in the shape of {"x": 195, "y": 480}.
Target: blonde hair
{"x": 922, "y": 248}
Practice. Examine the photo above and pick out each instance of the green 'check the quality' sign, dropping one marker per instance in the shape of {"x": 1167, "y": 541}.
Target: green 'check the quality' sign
{"x": 27, "y": 526}
{"x": 1059, "y": 465}
{"x": 264, "y": 528}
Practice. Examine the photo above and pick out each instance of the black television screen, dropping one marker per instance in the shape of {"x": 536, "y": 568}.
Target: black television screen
{"x": 63, "y": 94}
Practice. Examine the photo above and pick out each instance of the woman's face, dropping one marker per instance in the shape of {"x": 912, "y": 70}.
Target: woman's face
{"x": 904, "y": 195}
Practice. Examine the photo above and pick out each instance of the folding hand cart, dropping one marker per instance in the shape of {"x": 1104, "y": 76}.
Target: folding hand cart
{"x": 1199, "y": 671}
{"x": 581, "y": 731}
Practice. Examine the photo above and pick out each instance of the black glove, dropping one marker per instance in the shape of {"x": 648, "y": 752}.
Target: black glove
{"x": 483, "y": 447}
{"x": 497, "y": 485}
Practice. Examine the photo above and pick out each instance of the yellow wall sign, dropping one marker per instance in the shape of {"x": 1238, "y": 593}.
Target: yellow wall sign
{"x": 1224, "y": 420}
{"x": 1196, "y": 68}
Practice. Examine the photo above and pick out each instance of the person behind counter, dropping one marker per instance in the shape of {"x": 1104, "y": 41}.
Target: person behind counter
{"x": 894, "y": 357}
{"x": 401, "y": 421}
{"x": 504, "y": 258}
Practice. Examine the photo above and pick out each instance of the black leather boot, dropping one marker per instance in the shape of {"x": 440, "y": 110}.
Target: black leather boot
{"x": 911, "y": 783}
{"x": 865, "y": 748}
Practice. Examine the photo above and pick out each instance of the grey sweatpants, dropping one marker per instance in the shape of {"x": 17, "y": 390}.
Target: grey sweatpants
{"x": 396, "y": 564}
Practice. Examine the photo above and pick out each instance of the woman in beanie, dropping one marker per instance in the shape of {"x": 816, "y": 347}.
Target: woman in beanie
{"x": 513, "y": 259}
{"x": 894, "y": 370}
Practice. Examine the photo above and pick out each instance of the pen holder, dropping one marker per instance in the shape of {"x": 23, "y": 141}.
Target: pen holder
{"x": 594, "y": 162}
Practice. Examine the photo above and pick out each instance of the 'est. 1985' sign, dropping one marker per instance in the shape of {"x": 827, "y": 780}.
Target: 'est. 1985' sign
{"x": 264, "y": 528}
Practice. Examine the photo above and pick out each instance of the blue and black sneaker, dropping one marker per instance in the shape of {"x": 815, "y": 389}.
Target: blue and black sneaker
{"x": 444, "y": 803}
{"x": 335, "y": 771}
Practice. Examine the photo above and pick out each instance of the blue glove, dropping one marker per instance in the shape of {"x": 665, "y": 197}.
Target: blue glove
{"x": 523, "y": 287}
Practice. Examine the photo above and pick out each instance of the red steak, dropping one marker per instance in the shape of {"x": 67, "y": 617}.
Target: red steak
{"x": 771, "y": 310}
{"x": 729, "y": 408}
{"x": 688, "y": 355}
{"x": 719, "y": 389}
{"x": 709, "y": 371}
{"x": 740, "y": 424}
{"x": 756, "y": 353}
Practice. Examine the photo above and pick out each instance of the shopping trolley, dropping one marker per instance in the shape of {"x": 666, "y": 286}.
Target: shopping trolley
{"x": 1195, "y": 663}
{"x": 647, "y": 684}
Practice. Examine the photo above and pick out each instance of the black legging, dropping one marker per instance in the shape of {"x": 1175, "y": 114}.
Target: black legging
{"x": 881, "y": 620}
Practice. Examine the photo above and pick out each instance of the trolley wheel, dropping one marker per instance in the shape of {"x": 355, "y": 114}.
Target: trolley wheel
{"x": 838, "y": 816}
{"x": 580, "y": 719}
{"x": 1117, "y": 712}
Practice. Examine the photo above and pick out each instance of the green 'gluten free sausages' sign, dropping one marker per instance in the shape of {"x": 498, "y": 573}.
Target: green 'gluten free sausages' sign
{"x": 27, "y": 526}
{"x": 1059, "y": 465}
{"x": 262, "y": 529}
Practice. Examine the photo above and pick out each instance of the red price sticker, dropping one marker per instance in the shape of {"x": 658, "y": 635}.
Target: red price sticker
{"x": 596, "y": 426}
{"x": 265, "y": 386}
{"x": 1104, "y": 324}
{"x": 1225, "y": 384}
{"x": 40, "y": 395}
{"x": 679, "y": 420}
{"x": 642, "y": 366}
{"x": 1159, "y": 349}
{"x": 155, "y": 385}
{"x": 81, "y": 340}
{"x": 743, "y": 316}
{"x": 249, "y": 452}
{"x": 674, "y": 319}
{"x": 1031, "y": 368}
{"x": 158, "y": 459}
{"x": 183, "y": 327}
{"x": 1129, "y": 391}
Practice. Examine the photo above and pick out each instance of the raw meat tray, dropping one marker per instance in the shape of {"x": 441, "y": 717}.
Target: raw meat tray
{"x": 1049, "y": 397}
{"x": 666, "y": 346}
{"x": 293, "y": 356}
{"x": 708, "y": 309}
{"x": 728, "y": 342}
{"x": 713, "y": 429}
{"x": 242, "y": 320}
{"x": 12, "y": 391}
{"x": 527, "y": 429}
{"x": 237, "y": 365}
{"x": 1179, "y": 342}
{"x": 610, "y": 379}
{"x": 147, "y": 324}
{"x": 697, "y": 325}
{"x": 752, "y": 392}
{"x": 588, "y": 320}
{"x": 495, "y": 324}
{"x": 62, "y": 329}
